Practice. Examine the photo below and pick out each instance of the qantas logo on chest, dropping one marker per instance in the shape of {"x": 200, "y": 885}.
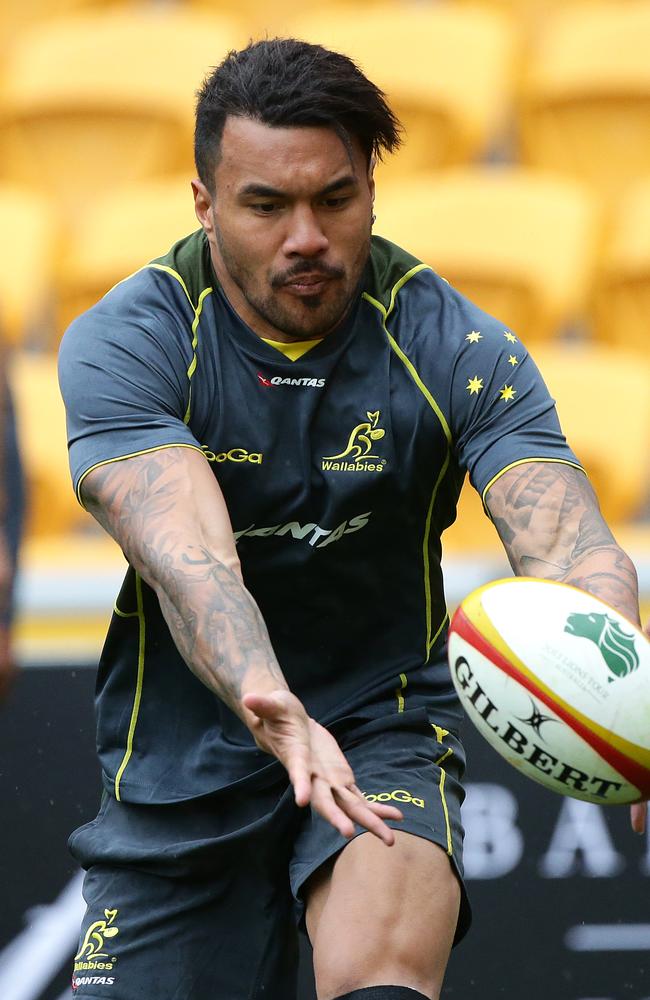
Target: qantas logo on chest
{"x": 310, "y": 532}
{"x": 300, "y": 383}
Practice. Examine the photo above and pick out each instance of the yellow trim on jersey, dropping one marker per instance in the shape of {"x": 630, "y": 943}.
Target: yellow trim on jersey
{"x": 125, "y": 614}
{"x": 399, "y": 692}
{"x": 170, "y": 270}
{"x": 138, "y": 687}
{"x": 295, "y": 350}
{"x": 133, "y": 454}
{"x": 195, "y": 339}
{"x": 446, "y": 754}
{"x": 441, "y": 789}
{"x": 410, "y": 367}
{"x": 529, "y": 461}
{"x": 425, "y": 555}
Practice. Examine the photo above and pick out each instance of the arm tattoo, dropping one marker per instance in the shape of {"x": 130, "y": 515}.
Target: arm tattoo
{"x": 549, "y": 521}
{"x": 145, "y": 504}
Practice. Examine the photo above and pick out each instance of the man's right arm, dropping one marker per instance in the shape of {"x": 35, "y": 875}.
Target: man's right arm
{"x": 166, "y": 511}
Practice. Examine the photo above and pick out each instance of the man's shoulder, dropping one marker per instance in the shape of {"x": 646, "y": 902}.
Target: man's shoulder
{"x": 393, "y": 270}
{"x": 187, "y": 264}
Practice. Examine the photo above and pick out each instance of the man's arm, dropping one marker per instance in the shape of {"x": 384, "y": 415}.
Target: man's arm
{"x": 166, "y": 511}
{"x": 549, "y": 521}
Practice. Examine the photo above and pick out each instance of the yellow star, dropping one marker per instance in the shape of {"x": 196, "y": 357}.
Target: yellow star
{"x": 513, "y": 360}
{"x": 508, "y": 393}
{"x": 509, "y": 337}
{"x": 474, "y": 385}
{"x": 474, "y": 337}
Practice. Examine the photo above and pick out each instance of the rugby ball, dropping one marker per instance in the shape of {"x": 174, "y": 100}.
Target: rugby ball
{"x": 558, "y": 682}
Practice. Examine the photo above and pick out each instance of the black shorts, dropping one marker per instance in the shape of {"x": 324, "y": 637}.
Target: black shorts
{"x": 201, "y": 900}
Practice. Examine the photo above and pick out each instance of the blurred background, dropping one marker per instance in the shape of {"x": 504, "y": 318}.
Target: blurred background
{"x": 524, "y": 180}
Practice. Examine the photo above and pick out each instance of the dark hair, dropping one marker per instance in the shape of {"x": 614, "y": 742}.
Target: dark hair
{"x": 285, "y": 82}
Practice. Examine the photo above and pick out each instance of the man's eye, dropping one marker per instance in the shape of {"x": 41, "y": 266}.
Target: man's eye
{"x": 336, "y": 202}
{"x": 264, "y": 207}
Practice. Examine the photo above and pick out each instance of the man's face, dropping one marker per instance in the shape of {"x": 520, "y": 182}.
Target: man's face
{"x": 289, "y": 226}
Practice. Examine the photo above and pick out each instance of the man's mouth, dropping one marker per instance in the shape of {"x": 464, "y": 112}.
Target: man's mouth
{"x": 306, "y": 284}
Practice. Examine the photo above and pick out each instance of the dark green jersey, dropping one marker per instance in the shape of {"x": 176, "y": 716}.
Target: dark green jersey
{"x": 340, "y": 471}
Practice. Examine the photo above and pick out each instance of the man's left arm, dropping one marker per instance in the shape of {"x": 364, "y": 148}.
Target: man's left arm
{"x": 548, "y": 518}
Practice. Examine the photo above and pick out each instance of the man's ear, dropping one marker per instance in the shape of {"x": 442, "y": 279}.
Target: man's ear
{"x": 203, "y": 205}
{"x": 371, "y": 177}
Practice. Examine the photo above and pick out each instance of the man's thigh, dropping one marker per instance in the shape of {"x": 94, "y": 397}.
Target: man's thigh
{"x": 383, "y": 916}
{"x": 378, "y": 910}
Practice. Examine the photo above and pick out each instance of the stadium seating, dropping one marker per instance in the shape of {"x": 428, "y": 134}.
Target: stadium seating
{"x": 603, "y": 400}
{"x": 92, "y": 101}
{"x": 27, "y": 249}
{"x": 40, "y": 415}
{"x": 447, "y": 73}
{"x": 164, "y": 213}
{"x": 622, "y": 292}
{"x": 518, "y": 242}
{"x": 586, "y": 104}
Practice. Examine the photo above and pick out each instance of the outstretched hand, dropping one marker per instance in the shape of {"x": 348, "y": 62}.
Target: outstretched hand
{"x": 639, "y": 811}
{"x": 317, "y": 768}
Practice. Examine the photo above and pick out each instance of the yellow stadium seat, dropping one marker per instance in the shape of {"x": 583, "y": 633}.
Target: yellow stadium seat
{"x": 586, "y": 103}
{"x": 447, "y": 73}
{"x": 106, "y": 246}
{"x": 603, "y": 401}
{"x": 622, "y": 291}
{"x": 517, "y": 242}
{"x": 27, "y": 252}
{"x": 472, "y": 531}
{"x": 92, "y": 101}
{"x": 40, "y": 415}
{"x": 530, "y": 14}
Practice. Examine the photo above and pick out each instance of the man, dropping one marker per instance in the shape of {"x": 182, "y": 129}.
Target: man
{"x": 274, "y": 421}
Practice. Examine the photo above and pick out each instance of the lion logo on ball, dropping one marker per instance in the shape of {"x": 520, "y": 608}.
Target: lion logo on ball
{"x": 616, "y": 646}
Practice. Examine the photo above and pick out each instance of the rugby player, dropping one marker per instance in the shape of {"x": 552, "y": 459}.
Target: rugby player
{"x": 274, "y": 421}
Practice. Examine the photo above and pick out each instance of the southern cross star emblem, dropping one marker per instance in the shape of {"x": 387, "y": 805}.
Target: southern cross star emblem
{"x": 507, "y": 393}
{"x": 510, "y": 337}
{"x": 474, "y": 337}
{"x": 513, "y": 360}
{"x": 474, "y": 385}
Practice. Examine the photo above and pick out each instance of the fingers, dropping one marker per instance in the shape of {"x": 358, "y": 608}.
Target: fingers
{"x": 344, "y": 807}
{"x": 638, "y": 812}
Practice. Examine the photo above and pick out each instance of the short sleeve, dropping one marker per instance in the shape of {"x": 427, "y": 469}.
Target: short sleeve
{"x": 123, "y": 372}
{"x": 501, "y": 410}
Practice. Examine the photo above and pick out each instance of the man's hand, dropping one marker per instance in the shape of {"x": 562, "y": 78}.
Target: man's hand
{"x": 317, "y": 768}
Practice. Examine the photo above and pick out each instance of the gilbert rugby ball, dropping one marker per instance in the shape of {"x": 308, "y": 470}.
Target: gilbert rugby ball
{"x": 559, "y": 683}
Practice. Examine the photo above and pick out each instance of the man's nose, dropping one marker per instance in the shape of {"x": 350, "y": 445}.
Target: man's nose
{"x": 305, "y": 236}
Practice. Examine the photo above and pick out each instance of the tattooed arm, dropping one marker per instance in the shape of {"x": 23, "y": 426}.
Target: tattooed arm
{"x": 549, "y": 521}
{"x": 166, "y": 511}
